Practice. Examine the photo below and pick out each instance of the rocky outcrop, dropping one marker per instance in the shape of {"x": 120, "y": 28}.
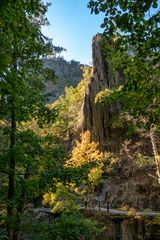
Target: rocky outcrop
{"x": 139, "y": 191}
{"x": 129, "y": 184}
{"x": 98, "y": 118}
{"x": 67, "y": 74}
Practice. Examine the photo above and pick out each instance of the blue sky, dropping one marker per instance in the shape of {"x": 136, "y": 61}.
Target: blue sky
{"x": 72, "y": 27}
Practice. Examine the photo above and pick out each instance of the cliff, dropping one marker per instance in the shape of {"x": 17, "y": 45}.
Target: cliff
{"x": 130, "y": 183}
{"x": 67, "y": 74}
{"x": 98, "y": 118}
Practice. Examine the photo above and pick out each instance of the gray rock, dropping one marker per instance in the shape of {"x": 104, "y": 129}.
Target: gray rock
{"x": 67, "y": 74}
{"x": 97, "y": 118}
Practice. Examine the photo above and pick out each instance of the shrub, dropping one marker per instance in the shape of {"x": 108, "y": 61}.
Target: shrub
{"x": 75, "y": 227}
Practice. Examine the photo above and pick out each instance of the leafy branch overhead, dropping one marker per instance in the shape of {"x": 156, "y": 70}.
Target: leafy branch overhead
{"x": 130, "y": 22}
{"x": 131, "y": 43}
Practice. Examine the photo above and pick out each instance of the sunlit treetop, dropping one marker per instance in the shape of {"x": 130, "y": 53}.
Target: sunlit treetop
{"x": 84, "y": 152}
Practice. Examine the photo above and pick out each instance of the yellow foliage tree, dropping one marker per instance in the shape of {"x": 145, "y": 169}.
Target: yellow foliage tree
{"x": 63, "y": 199}
{"x": 84, "y": 152}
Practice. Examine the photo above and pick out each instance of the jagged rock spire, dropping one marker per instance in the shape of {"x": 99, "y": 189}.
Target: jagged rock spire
{"x": 97, "y": 118}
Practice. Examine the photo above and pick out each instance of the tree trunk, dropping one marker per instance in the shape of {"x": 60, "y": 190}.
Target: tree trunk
{"x": 11, "y": 179}
{"x": 155, "y": 152}
{"x": 17, "y": 233}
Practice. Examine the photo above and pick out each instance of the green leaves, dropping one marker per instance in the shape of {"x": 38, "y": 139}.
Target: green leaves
{"x": 127, "y": 17}
{"x": 22, "y": 77}
{"x": 69, "y": 108}
{"x": 155, "y": 4}
{"x": 74, "y": 227}
{"x": 131, "y": 41}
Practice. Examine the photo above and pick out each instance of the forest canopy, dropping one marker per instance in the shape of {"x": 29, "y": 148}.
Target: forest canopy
{"x": 52, "y": 171}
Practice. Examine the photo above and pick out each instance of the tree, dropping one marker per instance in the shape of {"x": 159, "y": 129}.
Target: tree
{"x": 64, "y": 199}
{"x": 89, "y": 161}
{"x": 131, "y": 42}
{"x": 69, "y": 227}
{"x": 130, "y": 23}
{"x": 85, "y": 152}
{"x": 22, "y": 78}
{"x": 69, "y": 109}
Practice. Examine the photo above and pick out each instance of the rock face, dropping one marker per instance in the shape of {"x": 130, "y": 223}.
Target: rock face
{"x": 97, "y": 118}
{"x": 67, "y": 74}
{"x": 138, "y": 191}
{"x": 129, "y": 184}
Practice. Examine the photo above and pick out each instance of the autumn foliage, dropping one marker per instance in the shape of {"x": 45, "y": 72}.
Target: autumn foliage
{"x": 84, "y": 152}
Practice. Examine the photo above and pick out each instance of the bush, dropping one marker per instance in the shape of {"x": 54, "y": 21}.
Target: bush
{"x": 75, "y": 227}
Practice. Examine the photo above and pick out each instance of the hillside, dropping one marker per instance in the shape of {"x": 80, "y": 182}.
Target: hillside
{"x": 67, "y": 74}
